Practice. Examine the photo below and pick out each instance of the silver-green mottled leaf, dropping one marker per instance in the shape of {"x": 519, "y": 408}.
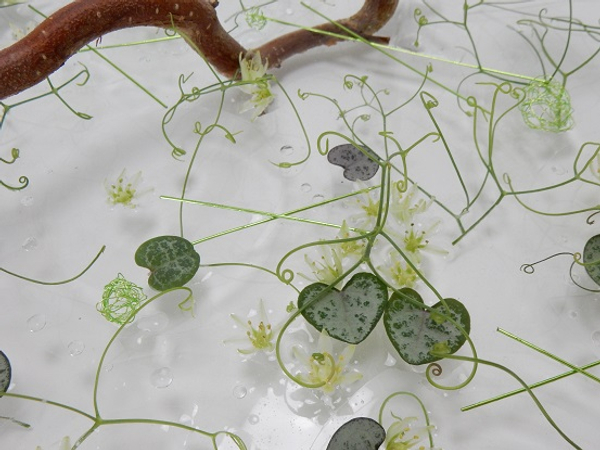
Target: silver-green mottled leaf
{"x": 5, "y": 372}
{"x": 591, "y": 253}
{"x": 357, "y": 165}
{"x": 348, "y": 315}
{"x": 360, "y": 433}
{"x": 172, "y": 261}
{"x": 415, "y": 332}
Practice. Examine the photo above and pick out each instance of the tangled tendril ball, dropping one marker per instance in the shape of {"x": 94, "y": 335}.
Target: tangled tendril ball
{"x": 547, "y": 106}
{"x": 119, "y": 300}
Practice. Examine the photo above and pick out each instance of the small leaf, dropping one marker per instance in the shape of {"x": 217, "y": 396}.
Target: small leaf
{"x": 5, "y": 372}
{"x": 357, "y": 165}
{"x": 349, "y": 315}
{"x": 415, "y": 332}
{"x": 360, "y": 433}
{"x": 591, "y": 254}
{"x": 172, "y": 261}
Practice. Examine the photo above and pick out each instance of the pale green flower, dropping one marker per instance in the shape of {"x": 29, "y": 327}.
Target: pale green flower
{"x": 65, "y": 444}
{"x": 124, "y": 191}
{"x": 398, "y": 272}
{"x": 354, "y": 248}
{"x": 323, "y": 367}
{"x": 328, "y": 267}
{"x": 260, "y": 337}
{"x": 416, "y": 241}
{"x": 256, "y": 83}
{"x": 402, "y": 435}
{"x": 404, "y": 206}
{"x": 369, "y": 208}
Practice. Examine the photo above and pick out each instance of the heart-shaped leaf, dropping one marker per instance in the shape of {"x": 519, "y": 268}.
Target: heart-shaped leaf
{"x": 415, "y": 332}
{"x": 357, "y": 165}
{"x": 172, "y": 261}
{"x": 348, "y": 315}
{"x": 360, "y": 433}
{"x": 591, "y": 253}
{"x": 5, "y": 372}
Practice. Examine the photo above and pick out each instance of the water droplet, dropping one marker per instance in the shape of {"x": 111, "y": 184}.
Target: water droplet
{"x": 286, "y": 150}
{"x": 29, "y": 244}
{"x": 596, "y": 338}
{"x": 154, "y": 323}
{"x": 76, "y": 348}
{"x": 573, "y": 314}
{"x": 289, "y": 11}
{"x": 306, "y": 187}
{"x": 161, "y": 378}
{"x": 239, "y": 392}
{"x": 253, "y": 419}
{"x": 27, "y": 201}
{"x": 390, "y": 361}
{"x": 36, "y": 323}
{"x": 318, "y": 198}
{"x": 186, "y": 420}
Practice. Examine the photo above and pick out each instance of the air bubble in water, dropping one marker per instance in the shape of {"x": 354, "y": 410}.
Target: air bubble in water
{"x": 76, "y": 348}
{"x": 161, "y": 378}
{"x": 27, "y": 201}
{"x": 253, "y": 419}
{"x": 240, "y": 392}
{"x": 37, "y": 322}
{"x": 306, "y": 187}
{"x": 318, "y": 198}
{"x": 29, "y": 244}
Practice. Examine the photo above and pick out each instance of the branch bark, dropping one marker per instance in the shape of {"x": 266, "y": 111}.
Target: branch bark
{"x": 44, "y": 50}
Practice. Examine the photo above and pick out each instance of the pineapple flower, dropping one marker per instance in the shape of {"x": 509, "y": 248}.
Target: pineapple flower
{"x": 125, "y": 190}
{"x": 404, "y": 205}
{"x": 65, "y": 444}
{"x": 261, "y": 338}
{"x": 398, "y": 272}
{"x": 255, "y": 82}
{"x": 401, "y": 435}
{"x": 323, "y": 367}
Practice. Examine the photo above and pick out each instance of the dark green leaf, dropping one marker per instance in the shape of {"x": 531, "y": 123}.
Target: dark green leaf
{"x": 361, "y": 433}
{"x": 5, "y": 372}
{"x": 591, "y": 254}
{"x": 348, "y": 315}
{"x": 172, "y": 261}
{"x": 415, "y": 332}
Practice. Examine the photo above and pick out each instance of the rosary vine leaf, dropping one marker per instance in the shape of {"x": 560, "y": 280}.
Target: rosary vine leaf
{"x": 348, "y": 315}
{"x": 360, "y": 433}
{"x": 415, "y": 332}
{"x": 5, "y": 372}
{"x": 172, "y": 261}
{"x": 591, "y": 258}
{"x": 358, "y": 164}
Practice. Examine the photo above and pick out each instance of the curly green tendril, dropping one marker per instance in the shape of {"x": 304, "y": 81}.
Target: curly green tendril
{"x": 119, "y": 300}
{"x": 547, "y": 106}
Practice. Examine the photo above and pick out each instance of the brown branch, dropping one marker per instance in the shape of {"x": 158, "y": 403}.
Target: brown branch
{"x": 60, "y": 36}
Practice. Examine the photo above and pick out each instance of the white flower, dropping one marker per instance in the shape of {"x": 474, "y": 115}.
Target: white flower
{"x": 369, "y": 205}
{"x": 401, "y": 435}
{"x": 124, "y": 190}
{"x": 255, "y": 82}
{"x": 65, "y": 444}
{"x": 416, "y": 241}
{"x": 261, "y": 338}
{"x": 399, "y": 273}
{"x": 328, "y": 267}
{"x": 404, "y": 206}
{"x": 323, "y": 367}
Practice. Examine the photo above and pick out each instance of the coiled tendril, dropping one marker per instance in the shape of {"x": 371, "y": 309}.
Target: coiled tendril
{"x": 547, "y": 106}
{"x": 119, "y": 300}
